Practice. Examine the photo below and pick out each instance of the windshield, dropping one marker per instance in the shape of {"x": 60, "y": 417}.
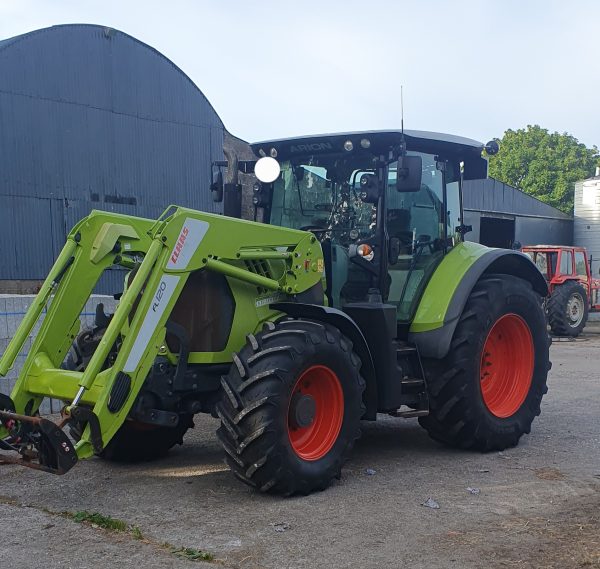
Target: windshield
{"x": 323, "y": 194}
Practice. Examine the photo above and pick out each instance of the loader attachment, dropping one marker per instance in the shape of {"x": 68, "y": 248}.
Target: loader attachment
{"x": 42, "y": 444}
{"x": 35, "y": 442}
{"x": 157, "y": 257}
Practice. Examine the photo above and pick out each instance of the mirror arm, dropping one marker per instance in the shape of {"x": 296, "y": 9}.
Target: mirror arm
{"x": 464, "y": 229}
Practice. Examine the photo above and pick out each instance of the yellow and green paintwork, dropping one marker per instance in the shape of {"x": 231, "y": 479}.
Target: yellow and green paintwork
{"x": 442, "y": 285}
{"x": 180, "y": 242}
{"x": 103, "y": 239}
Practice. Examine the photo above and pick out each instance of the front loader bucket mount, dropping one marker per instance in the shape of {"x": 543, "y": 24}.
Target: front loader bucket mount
{"x": 35, "y": 442}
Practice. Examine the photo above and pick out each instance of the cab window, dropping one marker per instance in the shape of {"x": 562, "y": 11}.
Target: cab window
{"x": 580, "y": 267}
{"x": 566, "y": 263}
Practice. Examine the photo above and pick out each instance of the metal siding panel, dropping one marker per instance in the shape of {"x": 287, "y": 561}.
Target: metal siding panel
{"x": 540, "y": 231}
{"x": 81, "y": 114}
{"x": 27, "y": 238}
{"x": 493, "y": 196}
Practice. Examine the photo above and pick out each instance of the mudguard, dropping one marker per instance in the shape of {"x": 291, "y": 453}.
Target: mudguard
{"x": 449, "y": 288}
{"x": 349, "y": 328}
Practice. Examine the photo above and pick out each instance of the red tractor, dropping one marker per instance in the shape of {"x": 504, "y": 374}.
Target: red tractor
{"x": 572, "y": 290}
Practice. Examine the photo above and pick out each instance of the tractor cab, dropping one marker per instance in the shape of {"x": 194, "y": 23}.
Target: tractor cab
{"x": 386, "y": 206}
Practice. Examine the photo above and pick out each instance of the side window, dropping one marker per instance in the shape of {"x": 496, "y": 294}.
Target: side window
{"x": 566, "y": 263}
{"x": 552, "y": 261}
{"x": 453, "y": 203}
{"x": 420, "y": 211}
{"x": 541, "y": 263}
{"x": 580, "y": 264}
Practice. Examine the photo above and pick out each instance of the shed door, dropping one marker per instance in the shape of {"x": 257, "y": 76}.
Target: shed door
{"x": 497, "y": 232}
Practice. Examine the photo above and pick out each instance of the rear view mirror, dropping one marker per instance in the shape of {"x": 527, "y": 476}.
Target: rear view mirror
{"x": 216, "y": 187}
{"x": 408, "y": 174}
{"x": 369, "y": 188}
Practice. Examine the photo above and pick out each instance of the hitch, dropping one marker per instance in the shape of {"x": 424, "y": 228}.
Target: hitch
{"x": 42, "y": 444}
{"x": 37, "y": 443}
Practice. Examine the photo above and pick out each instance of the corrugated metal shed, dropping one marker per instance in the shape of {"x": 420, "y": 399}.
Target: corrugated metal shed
{"x": 531, "y": 220}
{"x": 91, "y": 118}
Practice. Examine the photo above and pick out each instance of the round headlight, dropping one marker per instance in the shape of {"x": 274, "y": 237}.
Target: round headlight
{"x": 348, "y": 146}
{"x": 365, "y": 143}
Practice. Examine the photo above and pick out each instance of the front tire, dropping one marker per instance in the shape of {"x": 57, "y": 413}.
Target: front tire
{"x": 486, "y": 392}
{"x": 139, "y": 442}
{"x": 291, "y": 407}
{"x": 568, "y": 309}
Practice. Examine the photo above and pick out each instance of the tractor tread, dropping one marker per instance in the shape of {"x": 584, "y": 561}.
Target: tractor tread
{"x": 458, "y": 415}
{"x": 249, "y": 408}
{"x": 556, "y": 308}
{"x": 251, "y": 339}
{"x": 274, "y": 372}
{"x": 255, "y": 448}
{"x": 268, "y": 352}
{"x": 234, "y": 398}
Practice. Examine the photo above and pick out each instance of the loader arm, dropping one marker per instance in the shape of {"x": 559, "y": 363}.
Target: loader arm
{"x": 181, "y": 242}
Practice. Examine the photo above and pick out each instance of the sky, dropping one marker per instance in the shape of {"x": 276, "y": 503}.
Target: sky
{"x": 276, "y": 69}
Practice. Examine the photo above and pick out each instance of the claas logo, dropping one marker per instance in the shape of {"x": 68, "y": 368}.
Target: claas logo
{"x": 179, "y": 245}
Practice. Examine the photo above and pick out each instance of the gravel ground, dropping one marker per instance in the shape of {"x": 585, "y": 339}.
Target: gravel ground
{"x": 533, "y": 506}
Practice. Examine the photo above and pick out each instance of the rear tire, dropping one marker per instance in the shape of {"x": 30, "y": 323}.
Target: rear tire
{"x": 291, "y": 407}
{"x": 568, "y": 309}
{"x": 486, "y": 392}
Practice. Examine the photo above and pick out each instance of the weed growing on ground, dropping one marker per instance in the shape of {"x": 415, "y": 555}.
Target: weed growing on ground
{"x": 99, "y": 520}
{"x": 111, "y": 524}
{"x": 191, "y": 553}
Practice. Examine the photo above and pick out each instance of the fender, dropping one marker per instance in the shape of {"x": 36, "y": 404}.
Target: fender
{"x": 449, "y": 288}
{"x": 349, "y": 328}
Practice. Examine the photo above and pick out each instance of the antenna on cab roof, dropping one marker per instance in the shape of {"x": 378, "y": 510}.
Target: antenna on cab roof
{"x": 402, "y": 108}
{"x": 402, "y": 141}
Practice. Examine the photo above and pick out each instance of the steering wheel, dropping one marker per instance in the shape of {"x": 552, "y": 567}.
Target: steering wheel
{"x": 424, "y": 241}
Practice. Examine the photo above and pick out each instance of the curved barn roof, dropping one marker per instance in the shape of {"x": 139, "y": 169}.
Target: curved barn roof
{"x": 64, "y": 42}
{"x": 92, "y": 118}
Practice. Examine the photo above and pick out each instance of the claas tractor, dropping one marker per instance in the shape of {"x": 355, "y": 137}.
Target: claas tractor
{"x": 356, "y": 296}
{"x": 572, "y": 290}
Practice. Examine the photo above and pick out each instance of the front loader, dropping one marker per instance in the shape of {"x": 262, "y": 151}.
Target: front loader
{"x": 357, "y": 295}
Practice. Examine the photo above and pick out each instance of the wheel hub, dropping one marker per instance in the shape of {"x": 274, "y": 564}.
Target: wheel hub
{"x": 506, "y": 367}
{"x": 315, "y": 412}
{"x": 302, "y": 410}
{"x": 575, "y": 309}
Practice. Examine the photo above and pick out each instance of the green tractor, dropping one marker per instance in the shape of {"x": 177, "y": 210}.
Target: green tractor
{"x": 357, "y": 296}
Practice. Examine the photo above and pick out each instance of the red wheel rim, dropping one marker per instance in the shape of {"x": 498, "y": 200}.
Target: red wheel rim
{"x": 506, "y": 367}
{"x": 316, "y": 440}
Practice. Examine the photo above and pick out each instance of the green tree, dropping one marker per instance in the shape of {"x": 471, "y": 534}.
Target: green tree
{"x": 543, "y": 164}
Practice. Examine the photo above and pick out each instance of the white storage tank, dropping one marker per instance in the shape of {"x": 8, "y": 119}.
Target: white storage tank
{"x": 587, "y": 218}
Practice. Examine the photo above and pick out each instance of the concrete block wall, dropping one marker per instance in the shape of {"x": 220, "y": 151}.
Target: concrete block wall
{"x": 12, "y": 310}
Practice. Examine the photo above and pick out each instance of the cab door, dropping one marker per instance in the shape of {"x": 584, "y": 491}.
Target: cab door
{"x": 582, "y": 270}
